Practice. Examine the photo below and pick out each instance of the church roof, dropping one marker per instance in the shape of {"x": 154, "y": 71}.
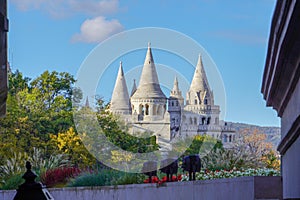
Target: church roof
{"x": 149, "y": 85}
{"x": 120, "y": 97}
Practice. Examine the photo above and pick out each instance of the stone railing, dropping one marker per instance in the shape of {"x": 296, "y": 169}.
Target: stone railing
{"x": 246, "y": 188}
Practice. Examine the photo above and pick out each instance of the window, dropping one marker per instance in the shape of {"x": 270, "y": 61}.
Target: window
{"x": 203, "y": 120}
{"x": 141, "y": 109}
{"x": 225, "y": 138}
{"x": 147, "y": 109}
{"x": 205, "y": 101}
{"x": 208, "y": 121}
{"x": 196, "y": 102}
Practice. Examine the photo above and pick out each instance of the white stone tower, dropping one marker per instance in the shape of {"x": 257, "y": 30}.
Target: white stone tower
{"x": 120, "y": 103}
{"x": 148, "y": 101}
{"x": 200, "y": 99}
{"x": 175, "y": 105}
{"x": 145, "y": 109}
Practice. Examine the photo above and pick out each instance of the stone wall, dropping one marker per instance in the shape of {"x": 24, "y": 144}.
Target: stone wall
{"x": 246, "y": 188}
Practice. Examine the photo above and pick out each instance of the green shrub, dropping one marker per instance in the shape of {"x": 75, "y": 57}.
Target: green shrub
{"x": 128, "y": 178}
{"x": 106, "y": 177}
{"x": 13, "y": 182}
{"x": 91, "y": 180}
{"x": 13, "y": 165}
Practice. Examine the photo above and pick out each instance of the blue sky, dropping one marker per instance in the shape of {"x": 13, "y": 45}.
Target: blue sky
{"x": 58, "y": 35}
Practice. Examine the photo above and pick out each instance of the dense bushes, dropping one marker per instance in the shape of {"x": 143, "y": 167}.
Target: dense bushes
{"x": 105, "y": 177}
{"x": 217, "y": 174}
{"x": 59, "y": 176}
{"x": 12, "y": 182}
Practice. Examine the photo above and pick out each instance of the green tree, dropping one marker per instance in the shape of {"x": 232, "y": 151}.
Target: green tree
{"x": 34, "y": 110}
{"x": 203, "y": 143}
{"x": 17, "y": 82}
{"x": 116, "y": 132}
{"x": 69, "y": 143}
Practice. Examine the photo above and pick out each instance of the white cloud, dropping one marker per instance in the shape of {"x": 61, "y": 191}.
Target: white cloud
{"x": 59, "y": 8}
{"x": 92, "y": 30}
{"x": 97, "y": 29}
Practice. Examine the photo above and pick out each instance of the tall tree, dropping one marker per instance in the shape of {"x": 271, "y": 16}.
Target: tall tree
{"x": 34, "y": 110}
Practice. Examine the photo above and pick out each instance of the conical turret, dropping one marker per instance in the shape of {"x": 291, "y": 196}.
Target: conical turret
{"x": 87, "y": 103}
{"x": 133, "y": 88}
{"x": 175, "y": 87}
{"x": 176, "y": 93}
{"x": 199, "y": 92}
{"x": 120, "y": 103}
{"x": 199, "y": 82}
{"x": 149, "y": 85}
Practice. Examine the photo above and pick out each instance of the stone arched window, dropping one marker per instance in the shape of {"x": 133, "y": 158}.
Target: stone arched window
{"x": 203, "y": 120}
{"x": 172, "y": 103}
{"x": 191, "y": 120}
{"x": 147, "y": 109}
{"x": 225, "y": 138}
{"x": 208, "y": 121}
{"x": 230, "y": 138}
{"x": 196, "y": 102}
{"x": 205, "y": 101}
{"x": 141, "y": 109}
{"x": 195, "y": 121}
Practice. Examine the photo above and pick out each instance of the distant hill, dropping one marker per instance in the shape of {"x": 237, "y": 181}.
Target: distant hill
{"x": 273, "y": 133}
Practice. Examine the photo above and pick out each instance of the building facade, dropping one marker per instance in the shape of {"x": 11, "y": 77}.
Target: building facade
{"x": 281, "y": 89}
{"x": 3, "y": 57}
{"x": 148, "y": 109}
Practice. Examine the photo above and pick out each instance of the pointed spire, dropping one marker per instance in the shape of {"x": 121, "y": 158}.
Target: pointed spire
{"x": 120, "y": 98}
{"x": 175, "y": 87}
{"x": 199, "y": 92}
{"x": 149, "y": 74}
{"x": 176, "y": 93}
{"x": 149, "y": 84}
{"x": 87, "y": 103}
{"x": 199, "y": 82}
{"x": 133, "y": 88}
